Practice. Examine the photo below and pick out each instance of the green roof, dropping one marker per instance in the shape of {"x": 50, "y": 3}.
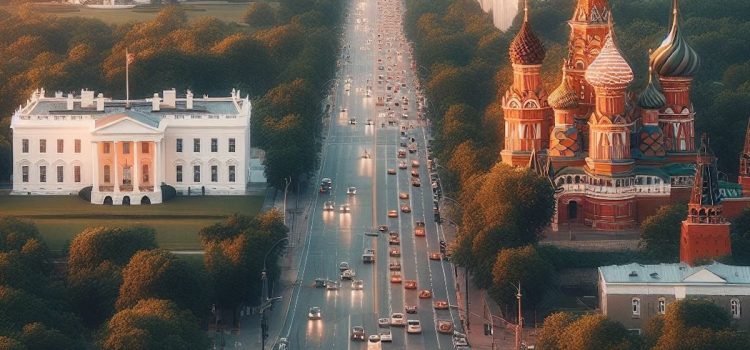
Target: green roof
{"x": 678, "y": 169}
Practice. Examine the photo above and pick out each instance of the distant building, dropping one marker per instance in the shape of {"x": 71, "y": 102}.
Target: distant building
{"x": 126, "y": 150}
{"x": 619, "y": 157}
{"x": 503, "y": 12}
{"x": 632, "y": 294}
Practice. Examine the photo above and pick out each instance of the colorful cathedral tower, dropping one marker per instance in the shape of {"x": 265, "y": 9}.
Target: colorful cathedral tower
{"x": 705, "y": 232}
{"x": 675, "y": 63}
{"x": 525, "y": 107}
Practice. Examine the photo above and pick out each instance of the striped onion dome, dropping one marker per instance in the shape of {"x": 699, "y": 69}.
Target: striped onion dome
{"x": 651, "y": 97}
{"x": 609, "y": 69}
{"x": 564, "y": 97}
{"x": 674, "y": 57}
{"x": 526, "y": 47}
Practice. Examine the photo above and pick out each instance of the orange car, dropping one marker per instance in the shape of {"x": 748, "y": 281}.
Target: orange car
{"x": 395, "y": 278}
{"x": 441, "y": 305}
{"x": 425, "y": 294}
{"x": 410, "y": 284}
{"x": 392, "y": 214}
{"x": 435, "y": 256}
{"x": 395, "y": 252}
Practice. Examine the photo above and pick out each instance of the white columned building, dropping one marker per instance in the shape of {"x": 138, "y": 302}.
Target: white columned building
{"x": 200, "y": 146}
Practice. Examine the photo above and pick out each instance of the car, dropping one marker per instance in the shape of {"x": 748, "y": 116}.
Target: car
{"x": 405, "y": 208}
{"x": 435, "y": 256}
{"x": 395, "y": 278}
{"x": 371, "y": 233}
{"x": 391, "y": 171}
{"x": 328, "y": 205}
{"x": 415, "y": 173}
{"x": 385, "y": 336}
{"x": 403, "y": 195}
{"x": 441, "y": 305}
{"x": 415, "y": 163}
{"x": 366, "y": 155}
{"x": 382, "y": 228}
{"x": 445, "y": 326}
{"x": 351, "y": 190}
{"x": 320, "y": 282}
{"x": 398, "y": 319}
{"x": 410, "y": 309}
{"x": 393, "y": 238}
{"x": 413, "y": 327}
{"x": 345, "y": 208}
{"x": 415, "y": 182}
{"x": 384, "y": 322}
{"x": 332, "y": 285}
{"x": 402, "y": 153}
{"x": 410, "y": 284}
{"x": 404, "y": 116}
{"x": 343, "y": 266}
{"x": 314, "y": 313}
{"x": 394, "y": 266}
{"x": 395, "y": 252}
{"x": 459, "y": 339}
{"x": 374, "y": 338}
{"x": 358, "y": 284}
{"x": 348, "y": 274}
{"x": 425, "y": 294}
{"x": 392, "y": 213}
{"x": 369, "y": 122}
{"x": 402, "y": 165}
{"x": 358, "y": 333}
{"x": 353, "y": 121}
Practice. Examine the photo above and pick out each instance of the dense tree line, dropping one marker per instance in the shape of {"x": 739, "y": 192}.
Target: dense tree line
{"x": 285, "y": 53}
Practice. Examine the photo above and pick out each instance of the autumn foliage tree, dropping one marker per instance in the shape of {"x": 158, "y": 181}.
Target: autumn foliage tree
{"x": 523, "y": 266}
{"x": 660, "y": 233}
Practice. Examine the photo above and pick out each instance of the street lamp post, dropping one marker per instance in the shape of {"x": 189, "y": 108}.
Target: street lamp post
{"x": 265, "y": 301}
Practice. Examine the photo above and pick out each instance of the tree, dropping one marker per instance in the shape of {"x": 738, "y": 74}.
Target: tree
{"x": 596, "y": 332}
{"x": 698, "y": 324}
{"x": 159, "y": 274}
{"x": 19, "y": 308}
{"x": 95, "y": 245}
{"x": 14, "y": 233}
{"x": 553, "y": 330}
{"x": 7, "y": 343}
{"x": 154, "y": 324}
{"x": 741, "y": 238}
{"x": 524, "y": 265}
{"x": 260, "y": 15}
{"x": 660, "y": 233}
{"x": 37, "y": 336}
{"x": 93, "y": 292}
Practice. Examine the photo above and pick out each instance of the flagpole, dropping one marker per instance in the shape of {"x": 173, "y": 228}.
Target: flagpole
{"x": 127, "y": 81}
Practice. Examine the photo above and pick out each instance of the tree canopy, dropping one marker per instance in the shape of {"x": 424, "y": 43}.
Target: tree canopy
{"x": 520, "y": 265}
{"x": 660, "y": 233}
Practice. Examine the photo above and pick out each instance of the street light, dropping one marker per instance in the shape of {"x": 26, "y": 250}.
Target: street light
{"x": 265, "y": 301}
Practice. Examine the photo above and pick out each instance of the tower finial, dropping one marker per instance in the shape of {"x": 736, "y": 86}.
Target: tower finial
{"x": 525, "y": 10}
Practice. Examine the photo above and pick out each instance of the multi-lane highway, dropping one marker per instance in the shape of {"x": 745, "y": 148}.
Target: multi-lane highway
{"x": 359, "y": 155}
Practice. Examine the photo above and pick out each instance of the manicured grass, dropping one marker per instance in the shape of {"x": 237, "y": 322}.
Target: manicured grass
{"x": 60, "y": 218}
{"x": 227, "y": 12}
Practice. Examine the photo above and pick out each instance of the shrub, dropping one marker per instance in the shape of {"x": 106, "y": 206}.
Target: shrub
{"x": 85, "y": 193}
{"x": 167, "y": 193}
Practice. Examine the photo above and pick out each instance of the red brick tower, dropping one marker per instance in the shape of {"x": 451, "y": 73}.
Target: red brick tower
{"x": 744, "y": 178}
{"x": 705, "y": 232}
{"x": 675, "y": 63}
{"x": 588, "y": 29}
{"x": 525, "y": 105}
{"x": 609, "y": 164}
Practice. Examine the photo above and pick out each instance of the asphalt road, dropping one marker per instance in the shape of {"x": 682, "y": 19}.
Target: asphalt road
{"x": 335, "y": 237}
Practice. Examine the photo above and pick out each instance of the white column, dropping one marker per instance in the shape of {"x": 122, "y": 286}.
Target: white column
{"x": 136, "y": 166}
{"x": 95, "y": 166}
{"x": 115, "y": 168}
{"x": 157, "y": 166}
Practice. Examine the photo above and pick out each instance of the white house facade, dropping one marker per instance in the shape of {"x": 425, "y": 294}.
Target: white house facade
{"x": 125, "y": 150}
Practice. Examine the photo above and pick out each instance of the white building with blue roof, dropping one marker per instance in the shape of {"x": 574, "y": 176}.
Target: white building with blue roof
{"x": 126, "y": 150}
{"x": 632, "y": 294}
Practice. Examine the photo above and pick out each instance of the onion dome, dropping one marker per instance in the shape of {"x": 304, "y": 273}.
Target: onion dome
{"x": 526, "y": 48}
{"x": 609, "y": 69}
{"x": 674, "y": 57}
{"x": 564, "y": 96}
{"x": 651, "y": 97}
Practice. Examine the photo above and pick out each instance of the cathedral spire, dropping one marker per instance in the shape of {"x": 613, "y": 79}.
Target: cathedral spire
{"x": 525, "y": 10}
{"x": 706, "y": 186}
{"x": 674, "y": 57}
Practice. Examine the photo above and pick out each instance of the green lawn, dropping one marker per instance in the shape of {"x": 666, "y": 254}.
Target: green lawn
{"x": 60, "y": 218}
{"x": 227, "y": 12}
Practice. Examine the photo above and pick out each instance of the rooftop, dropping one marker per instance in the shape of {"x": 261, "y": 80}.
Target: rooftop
{"x": 676, "y": 274}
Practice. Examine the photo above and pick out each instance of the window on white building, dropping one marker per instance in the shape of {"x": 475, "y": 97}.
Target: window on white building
{"x": 42, "y": 173}
{"x": 636, "y": 307}
{"x": 735, "y": 308}
{"x": 144, "y": 147}
{"x": 196, "y": 145}
{"x": 106, "y": 173}
{"x": 126, "y": 148}
{"x": 214, "y": 173}
{"x": 25, "y": 146}
{"x": 231, "y": 145}
{"x": 77, "y": 146}
{"x": 77, "y": 173}
{"x": 661, "y": 306}
{"x": 196, "y": 173}
{"x": 42, "y": 146}
{"x": 214, "y": 145}
{"x": 60, "y": 145}
{"x": 145, "y": 172}
{"x": 25, "y": 173}
{"x": 231, "y": 173}
{"x": 60, "y": 174}
{"x": 105, "y": 147}
{"x": 178, "y": 146}
{"x": 178, "y": 172}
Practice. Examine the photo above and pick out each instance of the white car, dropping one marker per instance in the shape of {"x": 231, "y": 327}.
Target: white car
{"x": 358, "y": 284}
{"x": 385, "y": 336}
{"x": 314, "y": 313}
{"x": 351, "y": 190}
{"x": 328, "y": 205}
{"x": 398, "y": 319}
{"x": 343, "y": 266}
{"x": 345, "y": 208}
{"x": 374, "y": 338}
{"x": 413, "y": 327}
{"x": 384, "y": 322}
